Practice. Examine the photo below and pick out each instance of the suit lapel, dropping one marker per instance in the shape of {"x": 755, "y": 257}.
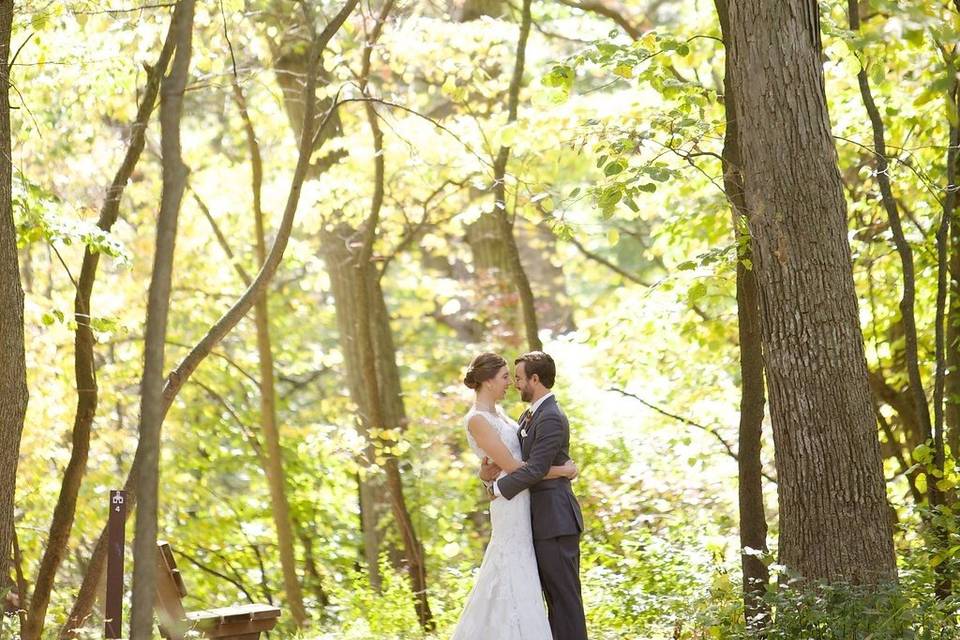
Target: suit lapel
{"x": 527, "y": 443}
{"x": 520, "y": 430}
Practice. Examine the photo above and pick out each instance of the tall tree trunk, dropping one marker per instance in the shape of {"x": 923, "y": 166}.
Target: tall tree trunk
{"x": 753, "y": 523}
{"x": 13, "y": 382}
{"x": 367, "y": 342}
{"x": 347, "y": 282}
{"x": 371, "y": 487}
{"x": 370, "y": 359}
{"x": 273, "y": 454}
{"x": 944, "y": 585}
{"x": 84, "y": 363}
{"x": 834, "y": 523}
{"x": 905, "y": 251}
{"x": 83, "y": 605}
{"x": 497, "y": 288}
{"x": 504, "y": 218}
{"x": 952, "y": 377}
{"x": 158, "y": 304}
{"x": 374, "y": 328}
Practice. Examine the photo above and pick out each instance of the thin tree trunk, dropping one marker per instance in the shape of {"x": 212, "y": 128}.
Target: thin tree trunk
{"x": 952, "y": 375}
{"x": 371, "y": 330}
{"x": 22, "y": 588}
{"x": 84, "y": 363}
{"x": 310, "y": 564}
{"x": 273, "y": 459}
{"x": 371, "y": 487}
{"x": 178, "y": 377}
{"x": 944, "y": 585}
{"x": 905, "y": 251}
{"x": 493, "y": 274}
{"x": 753, "y": 523}
{"x": 501, "y": 215}
{"x": 834, "y": 523}
{"x": 158, "y": 305}
{"x": 537, "y": 245}
{"x": 13, "y": 382}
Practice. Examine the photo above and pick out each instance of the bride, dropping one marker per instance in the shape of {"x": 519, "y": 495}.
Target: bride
{"x": 506, "y": 602}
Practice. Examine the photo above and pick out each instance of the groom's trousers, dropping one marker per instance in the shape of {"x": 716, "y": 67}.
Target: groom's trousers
{"x": 558, "y": 560}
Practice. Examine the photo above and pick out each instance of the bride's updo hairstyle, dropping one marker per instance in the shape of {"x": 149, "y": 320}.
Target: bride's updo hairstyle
{"x": 484, "y": 367}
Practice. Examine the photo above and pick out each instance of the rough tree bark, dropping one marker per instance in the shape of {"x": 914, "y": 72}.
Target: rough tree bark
{"x": 158, "y": 305}
{"x": 834, "y": 523}
{"x": 84, "y": 363}
{"x": 753, "y": 523}
{"x": 13, "y": 382}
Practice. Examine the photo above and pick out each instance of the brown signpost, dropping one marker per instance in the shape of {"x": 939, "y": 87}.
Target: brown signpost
{"x": 113, "y": 609}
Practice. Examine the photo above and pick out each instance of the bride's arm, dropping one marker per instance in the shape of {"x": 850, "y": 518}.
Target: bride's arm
{"x": 488, "y": 440}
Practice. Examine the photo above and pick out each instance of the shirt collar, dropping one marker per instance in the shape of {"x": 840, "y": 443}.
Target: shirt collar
{"x": 536, "y": 405}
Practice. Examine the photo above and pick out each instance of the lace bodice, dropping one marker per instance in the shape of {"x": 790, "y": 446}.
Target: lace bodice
{"x": 504, "y": 426}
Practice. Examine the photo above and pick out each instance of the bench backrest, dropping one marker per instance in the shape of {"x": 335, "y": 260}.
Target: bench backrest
{"x": 170, "y": 593}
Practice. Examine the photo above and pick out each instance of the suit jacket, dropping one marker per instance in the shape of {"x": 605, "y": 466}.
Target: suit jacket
{"x": 554, "y": 510}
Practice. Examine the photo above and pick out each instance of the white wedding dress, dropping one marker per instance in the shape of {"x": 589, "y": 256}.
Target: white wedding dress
{"x": 506, "y": 602}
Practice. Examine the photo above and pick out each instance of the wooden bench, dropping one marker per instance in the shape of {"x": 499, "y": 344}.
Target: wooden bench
{"x": 241, "y": 622}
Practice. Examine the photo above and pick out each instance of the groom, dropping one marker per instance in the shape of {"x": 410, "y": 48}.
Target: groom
{"x": 554, "y": 511}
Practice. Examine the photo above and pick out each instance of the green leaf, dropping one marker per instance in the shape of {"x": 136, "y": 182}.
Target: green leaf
{"x": 697, "y": 291}
{"x": 922, "y": 453}
{"x": 921, "y": 482}
{"x": 613, "y": 168}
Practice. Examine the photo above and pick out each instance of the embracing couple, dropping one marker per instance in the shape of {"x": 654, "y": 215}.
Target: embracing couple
{"x": 534, "y": 550}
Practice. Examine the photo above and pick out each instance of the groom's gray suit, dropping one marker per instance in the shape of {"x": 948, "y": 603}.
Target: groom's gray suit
{"x": 555, "y": 515}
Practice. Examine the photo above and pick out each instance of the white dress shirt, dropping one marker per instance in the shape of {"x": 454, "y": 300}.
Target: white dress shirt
{"x": 530, "y": 411}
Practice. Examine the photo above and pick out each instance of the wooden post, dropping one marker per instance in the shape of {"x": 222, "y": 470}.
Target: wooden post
{"x": 113, "y": 610}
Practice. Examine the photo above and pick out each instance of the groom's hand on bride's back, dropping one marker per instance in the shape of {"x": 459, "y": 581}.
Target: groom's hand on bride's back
{"x": 489, "y": 470}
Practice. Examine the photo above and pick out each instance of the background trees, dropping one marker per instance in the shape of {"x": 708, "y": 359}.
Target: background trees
{"x": 315, "y": 444}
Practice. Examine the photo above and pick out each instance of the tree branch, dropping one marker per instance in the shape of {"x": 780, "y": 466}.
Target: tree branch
{"x": 726, "y": 446}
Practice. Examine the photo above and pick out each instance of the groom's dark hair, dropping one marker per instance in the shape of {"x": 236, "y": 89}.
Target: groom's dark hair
{"x": 540, "y": 363}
